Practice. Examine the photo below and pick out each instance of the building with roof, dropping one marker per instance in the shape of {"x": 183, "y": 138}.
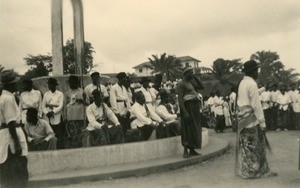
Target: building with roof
{"x": 146, "y": 68}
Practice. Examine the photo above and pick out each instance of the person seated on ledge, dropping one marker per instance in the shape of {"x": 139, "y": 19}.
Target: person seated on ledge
{"x": 145, "y": 120}
{"x": 40, "y": 135}
{"x": 166, "y": 111}
{"x": 103, "y": 124}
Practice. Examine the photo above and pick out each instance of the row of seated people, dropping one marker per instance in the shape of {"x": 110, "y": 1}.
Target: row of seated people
{"x": 104, "y": 125}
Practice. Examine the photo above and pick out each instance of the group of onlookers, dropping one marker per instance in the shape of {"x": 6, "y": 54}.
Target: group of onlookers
{"x": 281, "y": 107}
{"x": 110, "y": 115}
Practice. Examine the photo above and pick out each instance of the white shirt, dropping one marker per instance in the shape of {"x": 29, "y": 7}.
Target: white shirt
{"x": 53, "y": 102}
{"x": 91, "y": 87}
{"x": 296, "y": 103}
{"x": 283, "y": 100}
{"x": 293, "y": 95}
{"x": 163, "y": 112}
{"x": 118, "y": 98}
{"x": 232, "y": 100}
{"x": 218, "y": 103}
{"x": 9, "y": 111}
{"x": 30, "y": 99}
{"x": 142, "y": 118}
{"x": 248, "y": 97}
{"x": 265, "y": 99}
{"x": 94, "y": 113}
{"x": 274, "y": 95}
{"x": 210, "y": 102}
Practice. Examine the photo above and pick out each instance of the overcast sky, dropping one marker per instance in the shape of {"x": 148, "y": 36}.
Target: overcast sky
{"x": 125, "y": 33}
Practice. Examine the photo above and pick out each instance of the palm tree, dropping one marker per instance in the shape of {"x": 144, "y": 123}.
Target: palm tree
{"x": 167, "y": 65}
{"x": 286, "y": 76}
{"x": 270, "y": 65}
{"x": 225, "y": 72}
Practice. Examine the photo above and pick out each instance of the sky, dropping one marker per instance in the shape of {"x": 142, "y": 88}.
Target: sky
{"x": 125, "y": 33}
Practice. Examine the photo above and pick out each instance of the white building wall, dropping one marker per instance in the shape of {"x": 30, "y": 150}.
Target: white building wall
{"x": 145, "y": 71}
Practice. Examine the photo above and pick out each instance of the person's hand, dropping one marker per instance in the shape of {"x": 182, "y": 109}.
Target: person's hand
{"x": 50, "y": 114}
{"x": 84, "y": 96}
{"x": 104, "y": 127}
{"x": 80, "y": 101}
{"x": 18, "y": 149}
{"x": 264, "y": 130}
{"x": 128, "y": 114}
{"x": 161, "y": 124}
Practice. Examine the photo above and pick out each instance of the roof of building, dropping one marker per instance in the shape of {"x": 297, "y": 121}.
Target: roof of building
{"x": 182, "y": 59}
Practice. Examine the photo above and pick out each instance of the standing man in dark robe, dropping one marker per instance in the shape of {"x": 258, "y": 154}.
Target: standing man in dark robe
{"x": 189, "y": 103}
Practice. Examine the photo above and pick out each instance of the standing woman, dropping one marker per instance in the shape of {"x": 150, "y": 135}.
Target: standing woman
{"x": 189, "y": 103}
{"x": 251, "y": 161}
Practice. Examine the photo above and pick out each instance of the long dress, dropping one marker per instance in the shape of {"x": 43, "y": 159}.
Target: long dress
{"x": 191, "y": 129}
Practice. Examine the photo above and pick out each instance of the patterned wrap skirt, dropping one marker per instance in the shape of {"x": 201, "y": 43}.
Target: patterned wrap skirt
{"x": 251, "y": 159}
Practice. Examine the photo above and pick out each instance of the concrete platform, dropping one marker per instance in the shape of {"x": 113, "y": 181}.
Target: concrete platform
{"x": 214, "y": 148}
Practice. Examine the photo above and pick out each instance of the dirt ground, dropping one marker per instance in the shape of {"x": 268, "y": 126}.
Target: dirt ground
{"x": 218, "y": 172}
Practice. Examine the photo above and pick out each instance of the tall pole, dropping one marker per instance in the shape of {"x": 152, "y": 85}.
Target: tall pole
{"x": 79, "y": 42}
{"x": 78, "y": 36}
{"x": 57, "y": 37}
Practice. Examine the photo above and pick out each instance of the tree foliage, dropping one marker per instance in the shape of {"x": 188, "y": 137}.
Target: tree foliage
{"x": 69, "y": 57}
{"x": 167, "y": 65}
{"x": 272, "y": 69}
{"x": 41, "y": 65}
{"x": 226, "y": 72}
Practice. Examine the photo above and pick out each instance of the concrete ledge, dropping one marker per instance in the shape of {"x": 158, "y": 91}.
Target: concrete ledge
{"x": 214, "y": 148}
{"x": 91, "y": 157}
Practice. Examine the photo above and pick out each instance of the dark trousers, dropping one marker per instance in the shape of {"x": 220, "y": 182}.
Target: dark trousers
{"x": 220, "y": 123}
{"x": 273, "y": 117}
{"x": 282, "y": 119}
{"x": 59, "y": 131}
{"x": 267, "y": 114}
{"x": 125, "y": 123}
{"x": 146, "y": 131}
{"x": 291, "y": 119}
{"x": 133, "y": 135}
{"x": 297, "y": 120}
{"x": 13, "y": 172}
{"x": 113, "y": 135}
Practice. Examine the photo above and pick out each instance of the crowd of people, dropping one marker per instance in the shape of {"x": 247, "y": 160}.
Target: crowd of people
{"x": 129, "y": 112}
{"x": 280, "y": 103}
{"x": 122, "y": 112}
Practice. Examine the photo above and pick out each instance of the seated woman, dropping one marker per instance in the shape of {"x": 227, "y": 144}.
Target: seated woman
{"x": 40, "y": 135}
{"x": 145, "y": 121}
{"x": 103, "y": 125}
{"x": 166, "y": 112}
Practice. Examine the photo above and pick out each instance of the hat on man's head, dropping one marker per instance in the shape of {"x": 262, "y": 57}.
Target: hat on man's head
{"x": 9, "y": 77}
{"x": 282, "y": 86}
{"x": 163, "y": 94}
{"x": 94, "y": 74}
{"x": 73, "y": 79}
{"x": 121, "y": 75}
{"x": 145, "y": 79}
{"x": 32, "y": 112}
{"x": 96, "y": 92}
{"x": 52, "y": 81}
{"x": 186, "y": 69}
{"x": 250, "y": 66}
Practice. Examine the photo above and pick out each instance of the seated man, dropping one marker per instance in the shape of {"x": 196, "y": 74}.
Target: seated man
{"x": 103, "y": 124}
{"x": 166, "y": 112}
{"x": 40, "y": 135}
{"x": 144, "y": 119}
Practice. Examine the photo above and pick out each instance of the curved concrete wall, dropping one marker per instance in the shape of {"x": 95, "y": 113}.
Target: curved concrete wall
{"x": 72, "y": 159}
